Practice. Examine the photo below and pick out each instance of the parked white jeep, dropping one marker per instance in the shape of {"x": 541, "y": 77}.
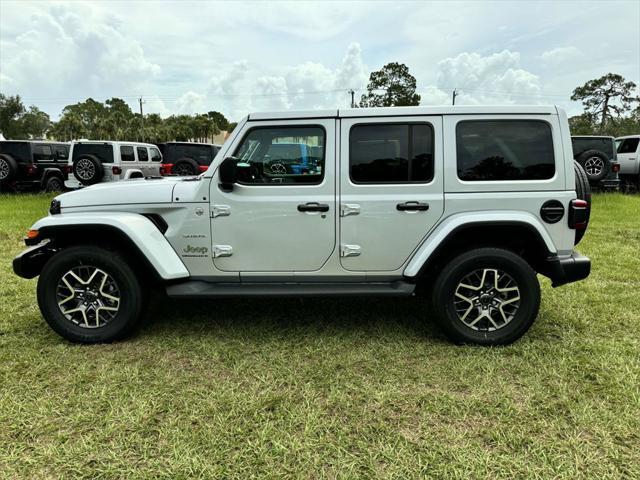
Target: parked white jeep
{"x": 95, "y": 161}
{"x": 628, "y": 150}
{"x": 463, "y": 205}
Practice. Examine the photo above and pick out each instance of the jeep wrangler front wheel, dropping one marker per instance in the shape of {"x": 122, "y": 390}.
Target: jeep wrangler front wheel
{"x": 487, "y": 296}
{"x": 89, "y": 295}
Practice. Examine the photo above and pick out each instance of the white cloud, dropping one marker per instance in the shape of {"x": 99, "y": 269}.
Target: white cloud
{"x": 560, "y": 55}
{"x": 190, "y": 103}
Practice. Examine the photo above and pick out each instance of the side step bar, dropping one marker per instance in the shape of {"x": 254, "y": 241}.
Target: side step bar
{"x": 202, "y": 289}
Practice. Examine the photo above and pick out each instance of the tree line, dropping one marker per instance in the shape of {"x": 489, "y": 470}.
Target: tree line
{"x": 611, "y": 107}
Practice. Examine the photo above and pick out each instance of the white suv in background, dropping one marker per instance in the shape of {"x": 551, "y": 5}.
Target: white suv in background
{"x": 628, "y": 149}
{"x": 95, "y": 161}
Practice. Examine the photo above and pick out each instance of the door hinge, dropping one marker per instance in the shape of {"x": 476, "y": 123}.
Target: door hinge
{"x": 220, "y": 211}
{"x": 347, "y": 209}
{"x": 350, "y": 250}
{"x": 222, "y": 251}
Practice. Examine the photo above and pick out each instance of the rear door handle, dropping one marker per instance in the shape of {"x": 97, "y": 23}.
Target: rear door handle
{"x": 412, "y": 207}
{"x": 313, "y": 207}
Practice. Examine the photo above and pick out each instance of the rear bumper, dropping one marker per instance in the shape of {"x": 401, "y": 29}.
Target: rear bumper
{"x": 610, "y": 183}
{"x": 568, "y": 269}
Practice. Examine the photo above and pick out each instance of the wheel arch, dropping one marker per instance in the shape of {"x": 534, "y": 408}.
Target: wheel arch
{"x": 136, "y": 237}
{"x": 524, "y": 236}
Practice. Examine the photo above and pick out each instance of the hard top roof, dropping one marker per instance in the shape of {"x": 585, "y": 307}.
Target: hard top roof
{"x": 407, "y": 111}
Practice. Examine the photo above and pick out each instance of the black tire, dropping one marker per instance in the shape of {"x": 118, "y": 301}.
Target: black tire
{"x": 583, "y": 192}
{"x": 517, "y": 270}
{"x": 8, "y": 168}
{"x": 131, "y": 303}
{"x": 54, "y": 184}
{"x": 185, "y": 167}
{"x": 88, "y": 169}
{"x": 596, "y": 165}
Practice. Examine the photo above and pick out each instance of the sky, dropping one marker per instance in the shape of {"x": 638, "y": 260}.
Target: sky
{"x": 238, "y": 57}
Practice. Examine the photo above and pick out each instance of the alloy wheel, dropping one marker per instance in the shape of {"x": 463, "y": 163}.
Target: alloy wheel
{"x": 487, "y": 299}
{"x": 4, "y": 169}
{"x": 85, "y": 169}
{"x": 88, "y": 296}
{"x": 594, "y": 166}
{"x": 183, "y": 170}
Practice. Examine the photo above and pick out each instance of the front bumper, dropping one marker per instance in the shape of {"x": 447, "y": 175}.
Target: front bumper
{"x": 567, "y": 269}
{"x": 29, "y": 263}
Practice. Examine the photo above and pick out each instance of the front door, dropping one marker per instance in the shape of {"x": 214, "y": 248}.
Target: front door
{"x": 280, "y": 215}
{"x": 391, "y": 189}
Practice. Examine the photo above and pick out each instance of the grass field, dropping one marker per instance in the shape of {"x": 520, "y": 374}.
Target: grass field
{"x": 329, "y": 388}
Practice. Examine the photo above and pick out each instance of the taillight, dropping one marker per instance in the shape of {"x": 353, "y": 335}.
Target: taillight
{"x": 67, "y": 169}
{"x": 31, "y": 169}
{"x": 203, "y": 168}
{"x": 116, "y": 170}
{"x": 615, "y": 167}
{"x": 166, "y": 168}
{"x": 578, "y": 214}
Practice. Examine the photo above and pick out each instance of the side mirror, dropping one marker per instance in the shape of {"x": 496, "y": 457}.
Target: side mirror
{"x": 228, "y": 174}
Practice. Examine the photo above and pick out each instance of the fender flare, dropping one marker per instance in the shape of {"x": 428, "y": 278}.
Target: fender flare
{"x": 452, "y": 224}
{"x": 140, "y": 231}
{"x": 133, "y": 171}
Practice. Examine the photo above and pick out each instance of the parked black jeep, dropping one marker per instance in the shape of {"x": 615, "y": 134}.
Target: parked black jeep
{"x": 598, "y": 157}
{"x": 187, "y": 158}
{"x": 33, "y": 165}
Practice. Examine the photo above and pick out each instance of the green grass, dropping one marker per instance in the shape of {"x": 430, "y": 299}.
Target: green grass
{"x": 329, "y": 388}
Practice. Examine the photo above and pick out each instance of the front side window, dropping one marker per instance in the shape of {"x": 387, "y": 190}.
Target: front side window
{"x": 504, "y": 150}
{"x": 391, "y": 153}
{"x": 628, "y": 145}
{"x": 282, "y": 155}
{"x": 143, "y": 155}
{"x": 126, "y": 153}
{"x": 155, "y": 155}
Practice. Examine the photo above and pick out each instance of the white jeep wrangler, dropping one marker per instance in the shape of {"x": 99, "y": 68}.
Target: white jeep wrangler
{"x": 461, "y": 204}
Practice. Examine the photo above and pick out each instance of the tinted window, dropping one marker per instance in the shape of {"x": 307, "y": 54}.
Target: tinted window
{"x": 42, "y": 153}
{"x": 391, "y": 153}
{"x": 504, "y": 150}
{"x": 202, "y": 154}
{"x": 126, "y": 154}
{"x": 628, "y": 145}
{"x": 602, "y": 144}
{"x": 20, "y": 151}
{"x": 61, "y": 152}
{"x": 143, "y": 155}
{"x": 155, "y": 155}
{"x": 282, "y": 155}
{"x": 103, "y": 151}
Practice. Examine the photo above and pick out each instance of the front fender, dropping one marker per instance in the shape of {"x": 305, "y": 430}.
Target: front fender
{"x": 450, "y": 224}
{"x": 139, "y": 230}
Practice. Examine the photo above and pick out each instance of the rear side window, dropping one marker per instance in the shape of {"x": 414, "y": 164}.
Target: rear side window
{"x": 628, "y": 145}
{"x": 61, "y": 152}
{"x": 391, "y": 153}
{"x": 42, "y": 153}
{"x": 155, "y": 155}
{"x": 126, "y": 153}
{"x": 103, "y": 151}
{"x": 143, "y": 156}
{"x": 504, "y": 150}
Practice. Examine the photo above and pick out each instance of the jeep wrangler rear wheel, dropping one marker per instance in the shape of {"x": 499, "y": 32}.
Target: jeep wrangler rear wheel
{"x": 487, "y": 296}
{"x": 54, "y": 184}
{"x": 90, "y": 295}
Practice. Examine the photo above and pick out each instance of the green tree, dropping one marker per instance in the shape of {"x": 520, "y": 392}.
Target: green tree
{"x": 11, "y": 110}
{"x": 582, "y": 124}
{"x": 34, "y": 123}
{"x": 398, "y": 85}
{"x": 606, "y": 98}
{"x": 220, "y": 120}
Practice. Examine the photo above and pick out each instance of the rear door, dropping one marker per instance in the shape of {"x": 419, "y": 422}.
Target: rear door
{"x": 144, "y": 164}
{"x": 391, "y": 188}
{"x": 628, "y": 155}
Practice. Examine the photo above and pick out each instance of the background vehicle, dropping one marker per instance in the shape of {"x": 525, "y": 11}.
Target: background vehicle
{"x": 597, "y": 155}
{"x": 106, "y": 161}
{"x": 464, "y": 205}
{"x": 187, "y": 158}
{"x": 31, "y": 164}
{"x": 628, "y": 151}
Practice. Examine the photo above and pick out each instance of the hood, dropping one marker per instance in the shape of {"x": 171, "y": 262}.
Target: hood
{"x": 120, "y": 193}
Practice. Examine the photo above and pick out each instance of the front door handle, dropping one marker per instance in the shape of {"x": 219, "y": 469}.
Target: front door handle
{"x": 313, "y": 207}
{"x": 412, "y": 207}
